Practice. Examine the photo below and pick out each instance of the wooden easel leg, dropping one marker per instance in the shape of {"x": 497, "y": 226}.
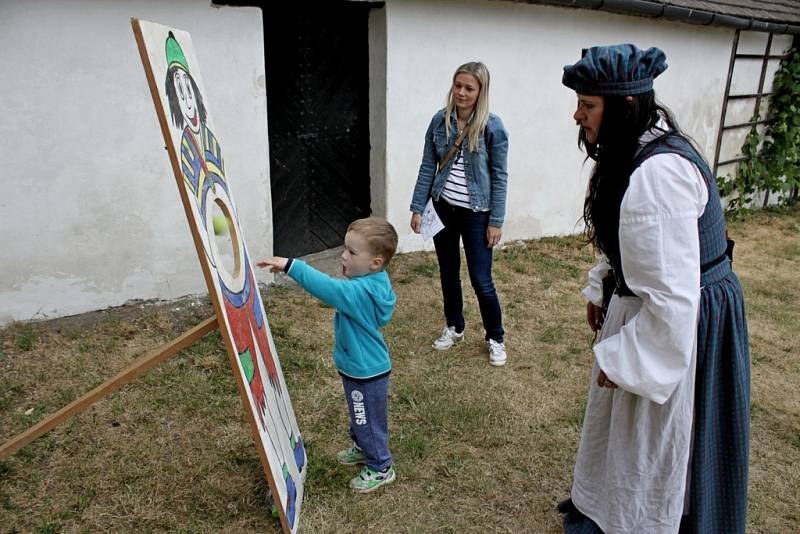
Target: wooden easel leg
{"x": 135, "y": 370}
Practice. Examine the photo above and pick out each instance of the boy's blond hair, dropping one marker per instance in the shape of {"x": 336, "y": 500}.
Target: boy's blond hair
{"x": 379, "y": 234}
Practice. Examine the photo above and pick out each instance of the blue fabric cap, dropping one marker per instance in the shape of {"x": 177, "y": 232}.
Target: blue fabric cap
{"x": 621, "y": 69}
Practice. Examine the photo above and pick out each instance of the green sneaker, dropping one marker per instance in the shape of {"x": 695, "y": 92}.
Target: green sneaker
{"x": 368, "y": 480}
{"x": 351, "y": 456}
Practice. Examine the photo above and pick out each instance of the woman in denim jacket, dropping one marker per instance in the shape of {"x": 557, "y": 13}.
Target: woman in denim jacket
{"x": 468, "y": 191}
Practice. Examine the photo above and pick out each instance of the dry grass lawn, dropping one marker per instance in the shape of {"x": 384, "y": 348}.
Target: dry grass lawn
{"x": 478, "y": 449}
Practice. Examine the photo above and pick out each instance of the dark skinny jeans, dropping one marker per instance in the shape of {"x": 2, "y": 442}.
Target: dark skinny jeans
{"x": 462, "y": 224}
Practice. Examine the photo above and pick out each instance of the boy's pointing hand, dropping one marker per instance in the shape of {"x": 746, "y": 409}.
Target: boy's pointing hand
{"x": 276, "y": 264}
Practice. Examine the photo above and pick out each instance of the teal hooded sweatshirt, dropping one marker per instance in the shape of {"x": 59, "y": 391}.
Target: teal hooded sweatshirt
{"x": 363, "y": 305}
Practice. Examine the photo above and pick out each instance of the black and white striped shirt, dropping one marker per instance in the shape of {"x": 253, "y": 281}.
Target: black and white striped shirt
{"x": 455, "y": 190}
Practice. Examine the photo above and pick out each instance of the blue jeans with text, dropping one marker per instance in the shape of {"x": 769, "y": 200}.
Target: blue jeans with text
{"x": 367, "y": 402}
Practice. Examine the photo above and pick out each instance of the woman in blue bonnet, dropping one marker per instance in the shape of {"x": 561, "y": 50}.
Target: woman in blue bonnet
{"x": 665, "y": 438}
{"x": 464, "y": 172}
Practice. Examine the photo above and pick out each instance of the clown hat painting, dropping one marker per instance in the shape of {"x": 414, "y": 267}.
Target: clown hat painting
{"x": 185, "y": 101}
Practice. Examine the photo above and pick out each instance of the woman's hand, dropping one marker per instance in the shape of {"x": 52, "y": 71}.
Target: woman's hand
{"x": 416, "y": 222}
{"x": 594, "y": 316}
{"x": 604, "y": 382}
{"x": 493, "y": 235}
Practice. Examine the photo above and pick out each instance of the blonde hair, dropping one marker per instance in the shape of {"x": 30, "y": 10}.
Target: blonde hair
{"x": 481, "y": 114}
{"x": 379, "y": 234}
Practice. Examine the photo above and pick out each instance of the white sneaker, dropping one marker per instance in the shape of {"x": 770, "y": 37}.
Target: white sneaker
{"x": 497, "y": 353}
{"x": 448, "y": 338}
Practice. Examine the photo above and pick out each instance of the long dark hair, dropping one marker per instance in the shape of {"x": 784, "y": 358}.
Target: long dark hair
{"x": 172, "y": 98}
{"x": 624, "y": 122}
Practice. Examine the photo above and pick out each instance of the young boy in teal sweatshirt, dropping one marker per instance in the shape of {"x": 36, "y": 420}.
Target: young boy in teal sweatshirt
{"x": 364, "y": 302}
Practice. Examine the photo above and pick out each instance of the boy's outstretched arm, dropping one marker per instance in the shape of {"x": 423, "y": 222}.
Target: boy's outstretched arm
{"x": 341, "y": 294}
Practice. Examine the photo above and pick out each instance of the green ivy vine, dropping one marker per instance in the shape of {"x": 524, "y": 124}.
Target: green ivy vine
{"x": 773, "y": 164}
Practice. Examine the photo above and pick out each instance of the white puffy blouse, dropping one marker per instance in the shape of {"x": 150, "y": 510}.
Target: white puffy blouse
{"x": 630, "y": 474}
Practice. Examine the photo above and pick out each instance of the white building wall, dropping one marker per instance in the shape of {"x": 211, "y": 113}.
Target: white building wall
{"x": 91, "y": 209}
{"x": 92, "y": 215}
{"x": 525, "y": 47}
{"x": 377, "y": 110}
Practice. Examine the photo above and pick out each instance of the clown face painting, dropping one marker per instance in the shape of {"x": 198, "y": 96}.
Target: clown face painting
{"x": 198, "y": 164}
{"x": 183, "y": 87}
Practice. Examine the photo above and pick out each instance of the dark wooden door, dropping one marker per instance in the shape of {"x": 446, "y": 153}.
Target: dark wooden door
{"x": 317, "y": 104}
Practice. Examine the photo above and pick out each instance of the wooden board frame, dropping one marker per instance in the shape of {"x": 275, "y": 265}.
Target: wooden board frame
{"x": 195, "y": 153}
{"x": 133, "y": 371}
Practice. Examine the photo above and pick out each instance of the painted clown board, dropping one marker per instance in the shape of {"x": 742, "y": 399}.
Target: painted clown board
{"x": 197, "y": 158}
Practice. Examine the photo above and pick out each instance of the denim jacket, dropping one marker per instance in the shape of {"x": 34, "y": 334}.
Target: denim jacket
{"x": 485, "y": 169}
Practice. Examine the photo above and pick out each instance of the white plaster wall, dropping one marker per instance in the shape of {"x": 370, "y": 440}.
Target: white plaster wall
{"x": 525, "y": 47}
{"x": 377, "y": 110}
{"x": 91, "y": 209}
